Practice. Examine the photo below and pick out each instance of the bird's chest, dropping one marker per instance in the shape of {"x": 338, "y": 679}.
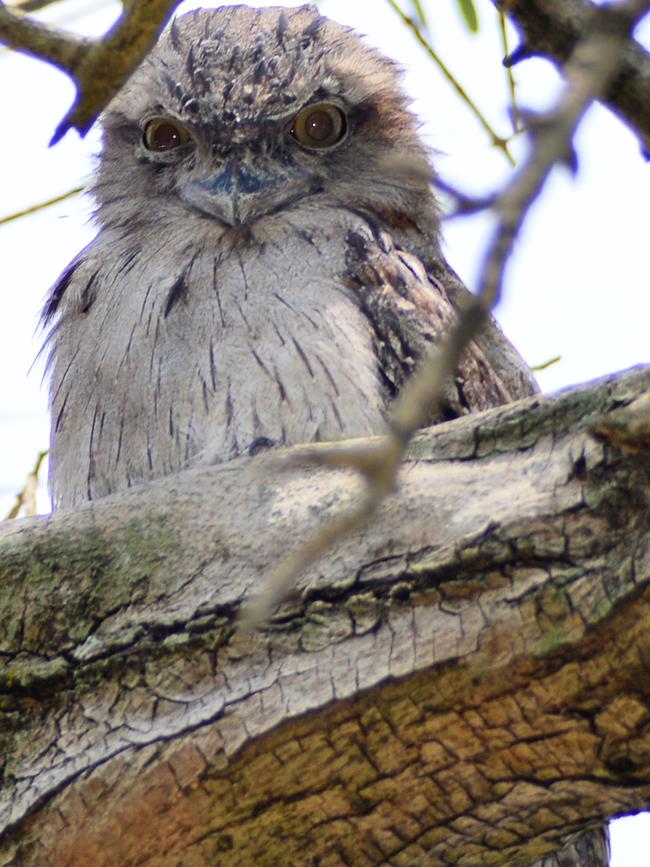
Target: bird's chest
{"x": 203, "y": 356}
{"x": 270, "y": 344}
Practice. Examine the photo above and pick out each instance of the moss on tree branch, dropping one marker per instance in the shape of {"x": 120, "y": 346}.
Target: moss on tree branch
{"x": 466, "y": 678}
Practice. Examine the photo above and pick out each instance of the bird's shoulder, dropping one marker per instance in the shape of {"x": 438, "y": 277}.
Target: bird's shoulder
{"x": 412, "y": 301}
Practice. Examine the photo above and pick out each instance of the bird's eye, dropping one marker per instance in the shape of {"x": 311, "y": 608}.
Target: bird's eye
{"x": 319, "y": 126}
{"x": 165, "y": 134}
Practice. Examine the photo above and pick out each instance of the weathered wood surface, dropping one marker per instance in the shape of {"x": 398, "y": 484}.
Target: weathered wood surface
{"x": 460, "y": 684}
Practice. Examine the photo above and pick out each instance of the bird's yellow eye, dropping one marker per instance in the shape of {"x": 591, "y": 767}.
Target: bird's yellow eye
{"x": 319, "y": 126}
{"x": 165, "y": 134}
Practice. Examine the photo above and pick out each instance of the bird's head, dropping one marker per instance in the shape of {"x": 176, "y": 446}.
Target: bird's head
{"x": 241, "y": 113}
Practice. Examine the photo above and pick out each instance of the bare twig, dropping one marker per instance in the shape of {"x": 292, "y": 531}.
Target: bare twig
{"x": 27, "y": 497}
{"x": 588, "y": 73}
{"x": 419, "y": 11}
{"x": 97, "y": 67}
{"x": 497, "y": 140}
{"x": 39, "y": 207}
{"x": 464, "y": 204}
{"x": 512, "y": 85}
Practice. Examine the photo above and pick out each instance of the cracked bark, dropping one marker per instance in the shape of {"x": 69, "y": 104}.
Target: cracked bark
{"x": 465, "y": 682}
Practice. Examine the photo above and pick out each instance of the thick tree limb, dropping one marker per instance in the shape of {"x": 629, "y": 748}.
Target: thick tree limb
{"x": 552, "y": 29}
{"x": 466, "y": 681}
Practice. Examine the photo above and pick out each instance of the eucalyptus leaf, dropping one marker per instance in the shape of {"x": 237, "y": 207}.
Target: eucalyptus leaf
{"x": 468, "y": 11}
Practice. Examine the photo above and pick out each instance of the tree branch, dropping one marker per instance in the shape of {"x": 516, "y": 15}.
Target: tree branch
{"x": 97, "y": 67}
{"x": 63, "y": 50}
{"x": 553, "y": 28}
{"x": 465, "y": 682}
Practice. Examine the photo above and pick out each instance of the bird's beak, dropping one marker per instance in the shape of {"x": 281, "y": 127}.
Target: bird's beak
{"x": 236, "y": 194}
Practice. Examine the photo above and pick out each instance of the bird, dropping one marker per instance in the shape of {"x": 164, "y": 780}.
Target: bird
{"x": 267, "y": 268}
{"x": 268, "y": 265}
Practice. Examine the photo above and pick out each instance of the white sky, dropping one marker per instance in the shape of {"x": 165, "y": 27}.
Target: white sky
{"x": 578, "y": 285}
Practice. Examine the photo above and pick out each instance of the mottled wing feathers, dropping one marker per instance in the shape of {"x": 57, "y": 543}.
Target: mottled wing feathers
{"x": 411, "y": 311}
{"x": 507, "y": 365}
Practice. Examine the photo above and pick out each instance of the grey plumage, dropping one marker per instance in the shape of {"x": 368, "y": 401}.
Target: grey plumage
{"x": 245, "y": 286}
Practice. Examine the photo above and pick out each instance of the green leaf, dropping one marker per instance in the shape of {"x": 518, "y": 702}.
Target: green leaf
{"x": 468, "y": 11}
{"x": 548, "y": 363}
